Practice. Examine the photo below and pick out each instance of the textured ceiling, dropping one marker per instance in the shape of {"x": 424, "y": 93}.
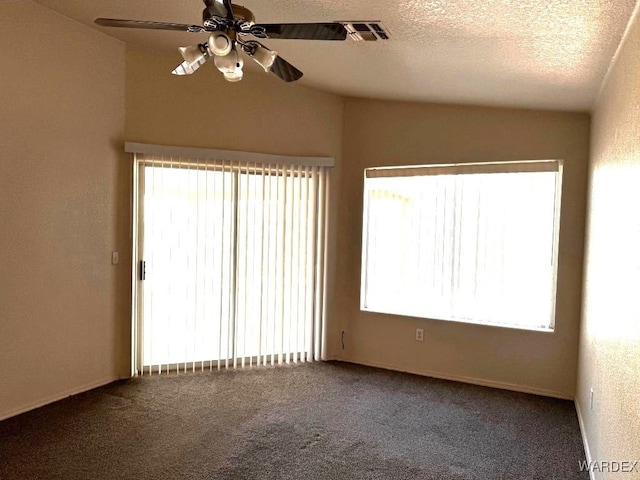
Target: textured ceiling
{"x": 524, "y": 53}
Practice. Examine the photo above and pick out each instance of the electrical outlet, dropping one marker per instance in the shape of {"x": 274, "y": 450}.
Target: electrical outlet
{"x": 115, "y": 258}
{"x": 591, "y": 399}
{"x": 419, "y": 335}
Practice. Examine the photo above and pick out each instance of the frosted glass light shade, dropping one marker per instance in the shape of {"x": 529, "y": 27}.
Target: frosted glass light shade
{"x": 264, "y": 57}
{"x": 234, "y": 76}
{"x": 194, "y": 57}
{"x": 220, "y": 44}
{"x": 229, "y": 63}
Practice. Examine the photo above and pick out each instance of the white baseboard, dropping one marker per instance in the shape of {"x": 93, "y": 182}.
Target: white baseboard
{"x": 585, "y": 441}
{"x": 474, "y": 381}
{"x": 56, "y": 397}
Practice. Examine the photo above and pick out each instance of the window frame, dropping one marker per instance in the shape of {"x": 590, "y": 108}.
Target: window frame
{"x": 555, "y": 165}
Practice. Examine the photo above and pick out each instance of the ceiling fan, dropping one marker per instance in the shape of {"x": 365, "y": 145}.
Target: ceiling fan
{"x": 232, "y": 28}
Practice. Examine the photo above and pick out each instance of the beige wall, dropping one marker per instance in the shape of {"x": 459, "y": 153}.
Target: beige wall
{"x": 65, "y": 185}
{"x": 259, "y": 114}
{"x": 392, "y": 133}
{"x": 63, "y": 207}
{"x": 610, "y": 335}
{"x": 65, "y": 189}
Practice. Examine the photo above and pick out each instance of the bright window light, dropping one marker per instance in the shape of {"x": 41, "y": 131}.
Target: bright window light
{"x": 472, "y": 243}
{"x": 232, "y": 257}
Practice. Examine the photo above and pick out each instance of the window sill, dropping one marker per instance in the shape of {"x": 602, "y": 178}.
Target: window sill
{"x": 463, "y": 321}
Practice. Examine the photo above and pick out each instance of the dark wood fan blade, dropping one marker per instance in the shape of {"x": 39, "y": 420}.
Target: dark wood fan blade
{"x": 285, "y": 70}
{"x": 305, "y": 31}
{"x": 229, "y": 7}
{"x": 180, "y": 27}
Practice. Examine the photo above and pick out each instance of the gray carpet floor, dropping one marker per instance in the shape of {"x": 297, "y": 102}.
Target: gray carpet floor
{"x": 315, "y": 421}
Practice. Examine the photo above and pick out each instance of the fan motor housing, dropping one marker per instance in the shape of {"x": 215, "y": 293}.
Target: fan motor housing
{"x": 216, "y": 19}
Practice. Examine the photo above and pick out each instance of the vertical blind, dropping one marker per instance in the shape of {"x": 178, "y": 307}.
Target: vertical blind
{"x": 471, "y": 243}
{"x": 233, "y": 266}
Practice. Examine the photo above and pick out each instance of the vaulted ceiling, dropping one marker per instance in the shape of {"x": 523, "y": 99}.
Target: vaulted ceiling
{"x": 524, "y": 53}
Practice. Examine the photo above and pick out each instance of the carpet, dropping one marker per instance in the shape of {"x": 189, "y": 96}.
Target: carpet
{"x": 308, "y": 421}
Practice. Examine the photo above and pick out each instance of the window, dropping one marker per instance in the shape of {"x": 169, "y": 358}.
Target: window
{"x": 473, "y": 243}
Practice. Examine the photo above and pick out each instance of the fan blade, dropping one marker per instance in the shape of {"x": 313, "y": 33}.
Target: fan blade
{"x": 180, "y": 27}
{"x": 305, "y": 31}
{"x": 229, "y": 7}
{"x": 214, "y": 7}
{"x": 285, "y": 70}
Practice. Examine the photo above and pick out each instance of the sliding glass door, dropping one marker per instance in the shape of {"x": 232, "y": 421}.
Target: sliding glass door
{"x": 187, "y": 266}
{"x": 230, "y": 264}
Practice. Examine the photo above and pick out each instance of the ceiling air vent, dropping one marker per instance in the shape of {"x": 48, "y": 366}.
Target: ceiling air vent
{"x": 367, "y": 31}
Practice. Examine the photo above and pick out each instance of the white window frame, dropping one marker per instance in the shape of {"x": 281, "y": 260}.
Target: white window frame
{"x": 466, "y": 168}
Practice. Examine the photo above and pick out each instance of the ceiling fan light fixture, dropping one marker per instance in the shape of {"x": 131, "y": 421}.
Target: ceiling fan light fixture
{"x": 234, "y": 76}
{"x": 183, "y": 69}
{"x": 193, "y": 54}
{"x": 227, "y": 26}
{"x": 194, "y": 57}
{"x": 263, "y": 56}
{"x": 229, "y": 63}
{"x": 220, "y": 44}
